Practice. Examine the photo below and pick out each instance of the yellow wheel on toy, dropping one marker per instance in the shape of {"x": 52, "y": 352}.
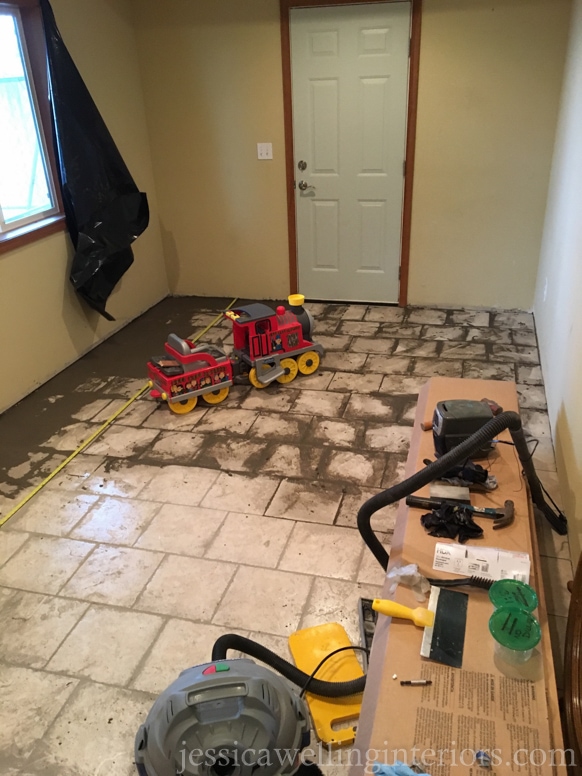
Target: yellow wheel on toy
{"x": 182, "y": 407}
{"x": 291, "y": 369}
{"x": 254, "y": 380}
{"x": 308, "y": 362}
{"x": 215, "y": 397}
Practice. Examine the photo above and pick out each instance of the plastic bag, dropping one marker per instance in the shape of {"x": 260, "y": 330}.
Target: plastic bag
{"x": 105, "y": 211}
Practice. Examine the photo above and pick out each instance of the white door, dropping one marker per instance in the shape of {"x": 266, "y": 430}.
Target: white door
{"x": 350, "y": 90}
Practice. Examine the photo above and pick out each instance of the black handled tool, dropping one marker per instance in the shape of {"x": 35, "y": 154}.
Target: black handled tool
{"x": 501, "y": 517}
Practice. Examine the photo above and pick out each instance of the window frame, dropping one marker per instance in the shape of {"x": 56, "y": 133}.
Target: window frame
{"x": 31, "y": 28}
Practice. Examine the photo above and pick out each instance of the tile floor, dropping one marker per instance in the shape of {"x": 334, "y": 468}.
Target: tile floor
{"x": 171, "y": 530}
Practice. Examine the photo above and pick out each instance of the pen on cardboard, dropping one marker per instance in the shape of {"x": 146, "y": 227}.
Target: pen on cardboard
{"x": 415, "y": 682}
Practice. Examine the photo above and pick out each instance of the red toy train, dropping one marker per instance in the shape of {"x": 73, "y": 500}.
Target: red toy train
{"x": 268, "y": 345}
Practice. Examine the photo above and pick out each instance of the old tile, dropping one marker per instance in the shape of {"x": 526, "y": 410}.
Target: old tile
{"x": 269, "y": 600}
{"x": 463, "y": 350}
{"x": 179, "y": 485}
{"x": 106, "y": 645}
{"x": 515, "y": 353}
{"x": 496, "y": 336}
{"x": 292, "y": 461}
{"x": 370, "y": 572}
{"x": 134, "y": 415}
{"x": 231, "y": 421}
{"x": 116, "y": 521}
{"x": 380, "y": 345}
{"x": 318, "y": 381}
{"x": 429, "y": 367}
{"x": 319, "y": 403}
{"x": 123, "y": 441}
{"x": 317, "y": 308}
{"x": 400, "y": 384}
{"x": 530, "y": 375}
{"x": 29, "y": 703}
{"x": 531, "y": 397}
{"x": 369, "y": 407}
{"x": 391, "y": 439}
{"x": 239, "y": 455}
{"x": 181, "y": 644}
{"x": 333, "y": 310}
{"x": 482, "y": 370}
{"x": 514, "y": 320}
{"x": 164, "y": 419}
{"x": 347, "y": 362}
{"x": 93, "y": 384}
{"x": 281, "y": 427}
{"x": 180, "y": 447}
{"x": 186, "y": 587}
{"x": 117, "y": 478}
{"x": 347, "y": 382}
{"x": 257, "y": 540}
{"x": 96, "y": 730}
{"x": 339, "y": 433}
{"x": 334, "y": 600}
{"x": 536, "y": 423}
{"x": 93, "y": 408}
{"x": 10, "y": 542}
{"x": 400, "y": 330}
{"x": 383, "y": 520}
{"x": 182, "y": 530}
{"x": 355, "y": 312}
{"x": 124, "y": 386}
{"x": 448, "y": 333}
{"x": 325, "y": 326}
{"x": 470, "y": 317}
{"x": 388, "y": 365}
{"x": 543, "y": 455}
{"x": 384, "y": 314}
{"x": 335, "y": 342}
{"x": 425, "y": 315}
{"x": 236, "y": 492}
{"x": 360, "y": 468}
{"x": 313, "y": 502}
{"x": 75, "y": 474}
{"x": 53, "y": 512}
{"x": 358, "y": 328}
{"x": 113, "y": 575}
{"x": 69, "y": 438}
{"x": 44, "y": 563}
{"x": 524, "y": 337}
{"x": 328, "y": 551}
{"x": 270, "y": 399}
{"x": 411, "y": 347}
{"x": 33, "y": 626}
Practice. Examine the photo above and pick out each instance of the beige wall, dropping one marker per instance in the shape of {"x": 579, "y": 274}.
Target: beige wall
{"x": 43, "y": 325}
{"x": 213, "y": 88}
{"x": 558, "y": 307}
{"x": 489, "y": 89}
{"x": 490, "y": 78}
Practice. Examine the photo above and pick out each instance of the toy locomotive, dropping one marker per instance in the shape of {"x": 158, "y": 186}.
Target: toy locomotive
{"x": 268, "y": 345}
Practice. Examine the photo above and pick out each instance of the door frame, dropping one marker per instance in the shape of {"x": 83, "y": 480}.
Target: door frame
{"x": 416, "y": 5}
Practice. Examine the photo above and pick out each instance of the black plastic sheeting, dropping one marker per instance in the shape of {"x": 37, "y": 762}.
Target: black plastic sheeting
{"x": 104, "y": 210}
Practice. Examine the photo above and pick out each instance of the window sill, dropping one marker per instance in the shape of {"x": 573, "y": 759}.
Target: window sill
{"x": 30, "y": 233}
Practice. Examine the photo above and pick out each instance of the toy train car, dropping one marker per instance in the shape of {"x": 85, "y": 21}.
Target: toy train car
{"x": 268, "y": 345}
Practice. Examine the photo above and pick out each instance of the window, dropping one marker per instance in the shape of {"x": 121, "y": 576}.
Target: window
{"x": 27, "y": 190}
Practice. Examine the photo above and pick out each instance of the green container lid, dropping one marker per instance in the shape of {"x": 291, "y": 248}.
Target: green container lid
{"x": 511, "y": 592}
{"x": 515, "y": 628}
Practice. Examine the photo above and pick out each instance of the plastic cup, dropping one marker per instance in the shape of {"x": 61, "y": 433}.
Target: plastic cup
{"x": 516, "y": 633}
{"x": 512, "y": 592}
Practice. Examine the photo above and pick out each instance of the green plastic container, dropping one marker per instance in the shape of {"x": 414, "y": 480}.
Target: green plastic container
{"x": 516, "y": 633}
{"x": 511, "y": 592}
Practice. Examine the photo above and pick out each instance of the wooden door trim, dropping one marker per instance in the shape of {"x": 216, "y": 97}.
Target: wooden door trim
{"x": 285, "y": 6}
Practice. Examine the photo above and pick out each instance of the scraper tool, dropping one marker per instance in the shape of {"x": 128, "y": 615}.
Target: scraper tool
{"x": 444, "y": 622}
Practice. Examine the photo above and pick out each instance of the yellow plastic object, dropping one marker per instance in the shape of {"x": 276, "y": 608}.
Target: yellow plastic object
{"x": 182, "y": 407}
{"x": 215, "y": 397}
{"x": 308, "y": 362}
{"x": 254, "y": 380}
{"x": 290, "y": 367}
{"x": 424, "y": 618}
{"x": 309, "y": 647}
{"x": 296, "y": 300}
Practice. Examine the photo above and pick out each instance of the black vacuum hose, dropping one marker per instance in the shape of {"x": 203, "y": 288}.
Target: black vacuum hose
{"x": 288, "y": 670}
{"x": 506, "y": 420}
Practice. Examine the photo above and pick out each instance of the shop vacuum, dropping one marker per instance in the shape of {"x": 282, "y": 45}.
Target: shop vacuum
{"x": 238, "y": 718}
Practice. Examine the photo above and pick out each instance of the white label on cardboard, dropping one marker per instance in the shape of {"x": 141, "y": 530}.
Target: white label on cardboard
{"x": 488, "y": 562}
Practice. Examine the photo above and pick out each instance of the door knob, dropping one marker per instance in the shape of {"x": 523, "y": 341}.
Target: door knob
{"x": 303, "y": 186}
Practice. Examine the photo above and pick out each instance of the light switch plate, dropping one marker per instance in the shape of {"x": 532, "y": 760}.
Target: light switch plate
{"x": 265, "y": 150}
